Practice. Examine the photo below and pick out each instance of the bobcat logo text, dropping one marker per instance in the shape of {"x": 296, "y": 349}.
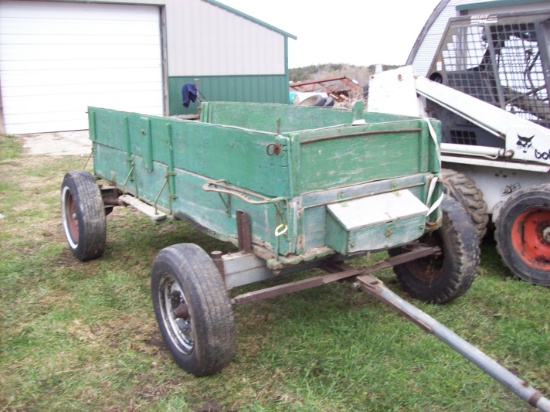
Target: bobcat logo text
{"x": 542, "y": 155}
{"x": 525, "y": 143}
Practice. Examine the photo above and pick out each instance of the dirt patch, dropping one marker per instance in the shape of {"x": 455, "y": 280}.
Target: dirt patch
{"x": 58, "y": 143}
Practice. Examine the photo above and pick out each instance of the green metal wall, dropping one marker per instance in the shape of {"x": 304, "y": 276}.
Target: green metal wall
{"x": 261, "y": 88}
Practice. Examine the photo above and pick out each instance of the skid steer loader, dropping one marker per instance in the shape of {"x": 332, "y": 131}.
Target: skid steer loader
{"x": 489, "y": 84}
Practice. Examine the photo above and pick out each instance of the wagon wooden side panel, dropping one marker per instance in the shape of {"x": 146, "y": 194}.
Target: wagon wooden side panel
{"x": 167, "y": 162}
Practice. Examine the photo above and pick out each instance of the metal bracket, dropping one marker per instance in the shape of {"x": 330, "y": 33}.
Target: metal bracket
{"x": 132, "y": 164}
{"x": 161, "y": 190}
{"x": 221, "y": 187}
{"x": 243, "y": 232}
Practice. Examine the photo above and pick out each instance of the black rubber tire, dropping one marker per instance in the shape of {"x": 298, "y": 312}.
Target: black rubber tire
{"x": 523, "y": 234}
{"x": 466, "y": 192}
{"x": 329, "y": 102}
{"x": 320, "y": 102}
{"x": 83, "y": 215}
{"x": 442, "y": 278}
{"x": 201, "y": 339}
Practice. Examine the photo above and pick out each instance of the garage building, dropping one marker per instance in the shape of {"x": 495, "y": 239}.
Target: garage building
{"x": 59, "y": 57}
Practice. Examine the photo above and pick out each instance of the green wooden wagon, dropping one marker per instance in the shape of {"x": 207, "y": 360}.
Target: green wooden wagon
{"x": 292, "y": 187}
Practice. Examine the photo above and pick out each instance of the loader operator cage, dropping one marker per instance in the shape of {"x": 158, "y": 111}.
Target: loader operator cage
{"x": 500, "y": 59}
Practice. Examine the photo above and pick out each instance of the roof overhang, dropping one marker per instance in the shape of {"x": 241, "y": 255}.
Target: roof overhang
{"x": 248, "y": 17}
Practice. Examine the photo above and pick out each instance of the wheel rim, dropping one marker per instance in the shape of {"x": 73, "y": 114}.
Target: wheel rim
{"x": 429, "y": 268}
{"x": 70, "y": 218}
{"x": 531, "y": 238}
{"x": 175, "y": 314}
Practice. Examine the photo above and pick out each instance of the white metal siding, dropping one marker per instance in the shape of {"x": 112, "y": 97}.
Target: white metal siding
{"x": 206, "y": 40}
{"x": 427, "y": 49}
{"x": 58, "y": 58}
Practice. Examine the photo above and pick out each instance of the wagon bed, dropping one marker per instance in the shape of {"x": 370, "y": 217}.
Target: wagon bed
{"x": 291, "y": 170}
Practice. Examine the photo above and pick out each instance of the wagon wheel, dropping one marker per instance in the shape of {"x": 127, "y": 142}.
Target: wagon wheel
{"x": 193, "y": 309}
{"x": 83, "y": 215}
{"x": 441, "y": 278}
{"x": 523, "y": 234}
{"x": 464, "y": 190}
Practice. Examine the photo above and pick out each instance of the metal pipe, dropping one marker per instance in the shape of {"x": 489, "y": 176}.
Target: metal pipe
{"x": 484, "y": 151}
{"x": 376, "y": 288}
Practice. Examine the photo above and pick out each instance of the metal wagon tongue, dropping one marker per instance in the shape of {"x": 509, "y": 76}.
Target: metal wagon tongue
{"x": 376, "y": 288}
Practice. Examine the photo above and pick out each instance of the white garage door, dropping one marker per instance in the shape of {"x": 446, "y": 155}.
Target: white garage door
{"x": 56, "y": 59}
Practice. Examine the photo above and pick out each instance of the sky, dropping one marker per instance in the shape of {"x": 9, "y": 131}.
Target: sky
{"x": 357, "y": 32}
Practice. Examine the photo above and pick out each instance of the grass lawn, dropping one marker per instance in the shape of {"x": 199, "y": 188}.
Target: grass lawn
{"x": 82, "y": 336}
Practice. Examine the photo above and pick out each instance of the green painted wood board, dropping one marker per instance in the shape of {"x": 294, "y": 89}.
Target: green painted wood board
{"x": 375, "y": 222}
{"x": 283, "y": 118}
{"x": 235, "y": 155}
{"x": 377, "y": 237}
{"x": 342, "y": 156}
{"x": 315, "y": 204}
